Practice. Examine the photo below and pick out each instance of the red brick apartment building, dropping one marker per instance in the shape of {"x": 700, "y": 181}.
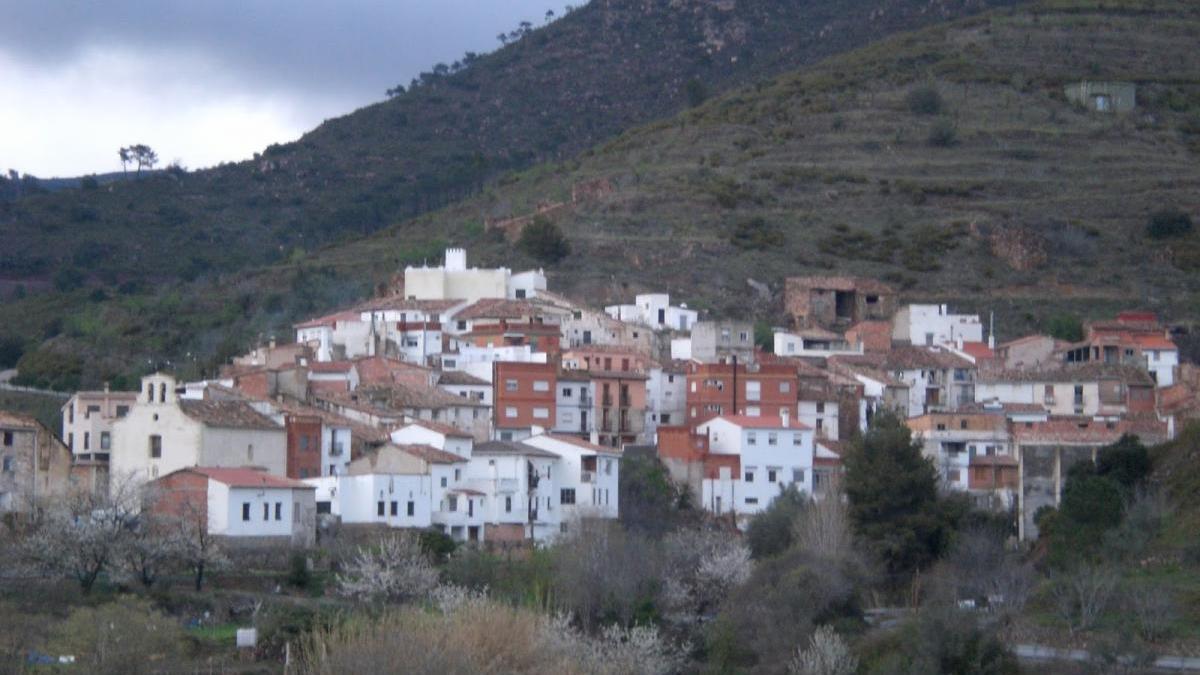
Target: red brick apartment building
{"x": 724, "y": 388}
{"x": 523, "y": 395}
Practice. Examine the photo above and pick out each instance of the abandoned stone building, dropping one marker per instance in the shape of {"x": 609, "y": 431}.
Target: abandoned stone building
{"x": 837, "y": 302}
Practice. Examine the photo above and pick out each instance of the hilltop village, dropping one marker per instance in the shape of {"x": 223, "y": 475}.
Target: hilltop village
{"x": 480, "y": 403}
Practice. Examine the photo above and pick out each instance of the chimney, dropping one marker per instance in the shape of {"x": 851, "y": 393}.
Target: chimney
{"x": 992, "y": 331}
{"x": 783, "y": 417}
{"x": 106, "y": 387}
{"x": 271, "y": 343}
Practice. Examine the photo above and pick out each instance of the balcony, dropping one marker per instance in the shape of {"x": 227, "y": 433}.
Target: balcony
{"x": 337, "y": 449}
{"x": 587, "y": 476}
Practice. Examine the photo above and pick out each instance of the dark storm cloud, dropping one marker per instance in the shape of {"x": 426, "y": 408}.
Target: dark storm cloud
{"x": 345, "y": 47}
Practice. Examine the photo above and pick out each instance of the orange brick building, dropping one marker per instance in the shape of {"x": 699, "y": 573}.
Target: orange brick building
{"x": 724, "y": 388}
{"x": 523, "y": 395}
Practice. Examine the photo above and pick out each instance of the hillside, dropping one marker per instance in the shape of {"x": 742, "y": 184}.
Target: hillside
{"x": 998, "y": 195}
{"x": 601, "y": 69}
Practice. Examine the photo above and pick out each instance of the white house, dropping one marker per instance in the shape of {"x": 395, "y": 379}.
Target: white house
{"x": 436, "y": 435}
{"x": 522, "y": 482}
{"x": 87, "y": 419}
{"x": 666, "y": 397}
{"x": 774, "y": 452}
{"x": 247, "y": 506}
{"x": 656, "y": 311}
{"x": 588, "y": 476}
{"x": 162, "y": 433}
{"x": 930, "y": 325}
{"x": 465, "y": 385}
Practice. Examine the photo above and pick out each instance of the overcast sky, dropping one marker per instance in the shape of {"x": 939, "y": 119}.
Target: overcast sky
{"x": 206, "y": 81}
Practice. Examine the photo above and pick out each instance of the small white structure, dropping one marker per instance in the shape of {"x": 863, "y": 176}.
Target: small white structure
{"x": 454, "y": 280}
{"x": 522, "y": 481}
{"x": 655, "y": 310}
{"x": 243, "y": 504}
{"x": 929, "y": 325}
{"x": 87, "y": 419}
{"x": 666, "y": 398}
{"x": 774, "y": 452}
{"x": 574, "y": 403}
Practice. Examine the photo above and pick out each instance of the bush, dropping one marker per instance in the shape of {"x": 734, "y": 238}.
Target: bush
{"x": 11, "y": 349}
{"x": 1127, "y": 462}
{"x": 696, "y": 92}
{"x": 756, "y": 235}
{"x": 925, "y": 100}
{"x": 942, "y": 134}
{"x": 298, "y": 573}
{"x": 544, "y": 241}
{"x": 1065, "y": 327}
{"x": 1168, "y": 223}
{"x": 771, "y": 531}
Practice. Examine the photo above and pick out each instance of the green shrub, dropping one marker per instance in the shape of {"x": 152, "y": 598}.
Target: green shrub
{"x": 544, "y": 240}
{"x": 298, "y": 573}
{"x": 942, "y": 134}
{"x": 1168, "y": 223}
{"x": 925, "y": 100}
{"x": 756, "y": 235}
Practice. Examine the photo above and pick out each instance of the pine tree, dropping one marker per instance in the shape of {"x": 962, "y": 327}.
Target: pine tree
{"x": 893, "y": 496}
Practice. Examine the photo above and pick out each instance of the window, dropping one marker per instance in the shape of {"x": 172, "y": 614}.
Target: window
{"x": 962, "y": 424}
{"x": 395, "y": 508}
{"x": 155, "y": 446}
{"x": 820, "y": 408}
{"x": 412, "y": 507}
{"x": 510, "y": 385}
{"x": 798, "y": 439}
{"x": 797, "y": 475}
{"x": 91, "y": 409}
{"x": 770, "y": 475}
{"x": 665, "y": 418}
{"x": 608, "y": 467}
{"x": 751, "y": 500}
{"x": 508, "y": 504}
{"x": 541, "y": 385}
{"x": 749, "y": 477}
{"x": 785, "y": 387}
{"x": 772, "y": 438}
{"x": 105, "y": 440}
{"x": 541, "y": 413}
{"x": 87, "y": 440}
{"x": 245, "y": 511}
{"x": 8, "y": 465}
{"x": 751, "y": 438}
{"x": 458, "y": 474}
{"x": 379, "y": 508}
{"x": 278, "y": 510}
{"x": 70, "y": 442}
{"x": 566, "y": 392}
{"x": 510, "y": 411}
{"x": 453, "y": 502}
{"x": 266, "y": 511}
{"x": 753, "y": 391}
{"x": 567, "y": 496}
{"x": 304, "y": 443}
{"x": 820, "y": 423}
{"x": 122, "y": 410}
{"x": 443, "y": 481}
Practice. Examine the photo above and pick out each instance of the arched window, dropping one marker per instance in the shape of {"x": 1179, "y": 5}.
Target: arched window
{"x": 162, "y": 393}
{"x": 150, "y": 392}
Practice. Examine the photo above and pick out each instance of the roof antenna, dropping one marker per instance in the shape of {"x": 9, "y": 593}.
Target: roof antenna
{"x": 992, "y": 330}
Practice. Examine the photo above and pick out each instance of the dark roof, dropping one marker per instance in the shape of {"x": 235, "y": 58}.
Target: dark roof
{"x": 909, "y": 357}
{"x": 247, "y": 478}
{"x": 431, "y": 454}
{"x": 511, "y": 448}
{"x": 863, "y": 284}
{"x": 460, "y": 377}
{"x": 1083, "y": 372}
{"x": 227, "y": 414}
{"x": 498, "y": 308}
{"x": 11, "y": 420}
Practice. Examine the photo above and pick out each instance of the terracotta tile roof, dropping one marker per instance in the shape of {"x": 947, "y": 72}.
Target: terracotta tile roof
{"x": 1154, "y": 341}
{"x": 979, "y": 351}
{"x": 364, "y": 432}
{"x": 401, "y": 303}
{"x": 910, "y": 357}
{"x": 443, "y": 429}
{"x": 431, "y": 454}
{"x": 461, "y": 378}
{"x": 875, "y": 336}
{"x": 12, "y": 420}
{"x": 401, "y": 396}
{"x": 763, "y": 422}
{"x": 1081, "y": 372}
{"x": 330, "y": 319}
{"x": 498, "y": 308}
{"x": 246, "y": 478}
{"x": 227, "y": 415}
{"x": 511, "y": 448}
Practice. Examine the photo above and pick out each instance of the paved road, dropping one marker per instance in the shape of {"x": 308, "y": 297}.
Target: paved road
{"x": 1162, "y": 663}
{"x": 6, "y": 377}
